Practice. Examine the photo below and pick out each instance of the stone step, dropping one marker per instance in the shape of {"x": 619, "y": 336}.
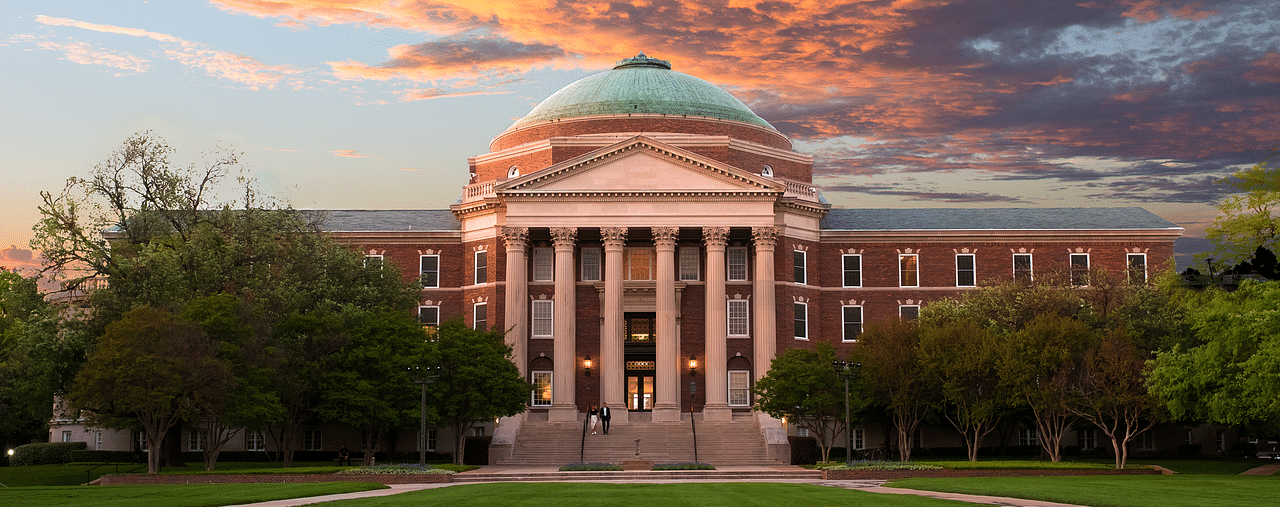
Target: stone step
{"x": 684, "y": 475}
{"x": 720, "y": 443}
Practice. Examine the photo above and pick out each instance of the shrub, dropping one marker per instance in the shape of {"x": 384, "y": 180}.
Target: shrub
{"x": 85, "y": 456}
{"x": 804, "y": 450}
{"x": 413, "y": 469}
{"x": 881, "y": 465}
{"x": 590, "y": 467}
{"x": 45, "y": 453}
{"x": 683, "y": 466}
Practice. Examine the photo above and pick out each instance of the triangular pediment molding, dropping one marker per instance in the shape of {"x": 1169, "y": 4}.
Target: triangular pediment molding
{"x": 640, "y": 165}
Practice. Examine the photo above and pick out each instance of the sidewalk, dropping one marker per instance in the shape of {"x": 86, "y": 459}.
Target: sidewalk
{"x": 1262, "y": 470}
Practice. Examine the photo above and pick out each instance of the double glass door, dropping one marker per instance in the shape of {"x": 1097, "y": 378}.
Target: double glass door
{"x": 639, "y": 393}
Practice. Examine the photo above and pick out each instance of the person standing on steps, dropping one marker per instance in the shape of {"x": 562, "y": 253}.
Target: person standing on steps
{"x": 593, "y": 413}
{"x": 604, "y": 418}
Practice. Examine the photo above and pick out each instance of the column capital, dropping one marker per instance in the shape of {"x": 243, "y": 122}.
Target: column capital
{"x": 564, "y": 236}
{"x": 715, "y": 236}
{"x": 764, "y": 237}
{"x": 516, "y": 237}
{"x": 665, "y": 236}
{"x": 614, "y": 236}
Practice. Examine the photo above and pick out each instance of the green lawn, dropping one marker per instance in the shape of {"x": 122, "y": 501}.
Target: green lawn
{"x": 641, "y": 495}
{"x": 172, "y": 496}
{"x": 1117, "y": 491}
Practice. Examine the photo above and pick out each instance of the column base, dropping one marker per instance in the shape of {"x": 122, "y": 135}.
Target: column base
{"x": 666, "y": 414}
{"x": 714, "y": 413}
{"x": 563, "y": 413}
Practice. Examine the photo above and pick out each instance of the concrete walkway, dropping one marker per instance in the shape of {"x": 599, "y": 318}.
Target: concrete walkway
{"x": 1262, "y": 470}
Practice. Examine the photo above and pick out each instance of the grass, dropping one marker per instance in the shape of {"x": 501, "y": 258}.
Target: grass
{"x": 1116, "y": 491}
{"x": 1018, "y": 465}
{"x": 172, "y": 496}
{"x": 640, "y": 495}
{"x": 74, "y": 474}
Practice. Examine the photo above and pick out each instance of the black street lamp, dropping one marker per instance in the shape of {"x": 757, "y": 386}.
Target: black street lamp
{"x": 422, "y": 377}
{"x": 847, "y": 371}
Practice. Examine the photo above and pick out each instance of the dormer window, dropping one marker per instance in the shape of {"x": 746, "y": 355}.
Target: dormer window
{"x": 767, "y": 171}
{"x": 513, "y": 172}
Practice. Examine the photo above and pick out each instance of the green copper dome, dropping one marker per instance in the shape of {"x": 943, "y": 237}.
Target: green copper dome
{"x": 641, "y": 85}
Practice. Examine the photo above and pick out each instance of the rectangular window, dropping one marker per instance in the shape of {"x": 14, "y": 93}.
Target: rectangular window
{"x": 1086, "y": 439}
{"x": 373, "y": 261}
{"x": 140, "y": 441}
{"x": 852, "y": 267}
{"x": 1220, "y": 437}
{"x": 859, "y": 439}
{"x": 1080, "y": 269}
{"x": 802, "y": 321}
{"x": 590, "y": 258}
{"x": 736, "y": 263}
{"x": 477, "y": 432}
{"x": 1146, "y": 441}
{"x": 482, "y": 267}
{"x": 543, "y": 323}
{"x": 799, "y": 263}
{"x": 429, "y": 316}
{"x": 852, "y": 319}
{"x": 66, "y": 437}
{"x": 966, "y": 271}
{"x": 1137, "y": 268}
{"x": 690, "y": 257}
{"x": 802, "y": 432}
{"x": 908, "y": 270}
{"x": 917, "y": 439}
{"x": 638, "y": 263}
{"x": 738, "y": 315}
{"x": 1027, "y": 437}
{"x": 255, "y": 441}
{"x": 312, "y": 440}
{"x": 1187, "y": 437}
{"x": 429, "y": 271}
{"x": 1022, "y": 268}
{"x": 195, "y": 442}
{"x": 480, "y": 316}
{"x": 97, "y": 441}
{"x": 544, "y": 264}
{"x": 909, "y": 312}
{"x": 739, "y": 388}
{"x": 431, "y": 439}
{"x": 541, "y": 389}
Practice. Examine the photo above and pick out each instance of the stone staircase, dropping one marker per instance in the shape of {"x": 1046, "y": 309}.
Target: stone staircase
{"x": 791, "y": 475}
{"x": 543, "y": 443}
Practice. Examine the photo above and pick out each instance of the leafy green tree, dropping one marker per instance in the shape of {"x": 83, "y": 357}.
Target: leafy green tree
{"x": 1246, "y": 219}
{"x": 1228, "y": 374}
{"x": 477, "y": 379}
{"x": 1037, "y": 364}
{"x": 963, "y": 364}
{"x": 802, "y": 386}
{"x": 1111, "y": 392}
{"x": 896, "y": 376}
{"x": 25, "y": 406}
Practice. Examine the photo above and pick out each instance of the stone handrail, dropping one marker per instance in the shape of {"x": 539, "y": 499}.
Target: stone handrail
{"x": 477, "y": 192}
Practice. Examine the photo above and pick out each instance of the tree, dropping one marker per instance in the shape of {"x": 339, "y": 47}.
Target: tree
{"x": 1037, "y": 365}
{"x": 1245, "y": 220}
{"x": 963, "y": 359}
{"x": 24, "y": 395}
{"x": 802, "y": 387}
{"x": 1227, "y": 375}
{"x": 896, "y": 376}
{"x": 1111, "y": 392}
{"x": 477, "y": 382}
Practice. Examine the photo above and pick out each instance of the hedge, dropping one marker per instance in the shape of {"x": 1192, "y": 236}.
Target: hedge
{"x": 45, "y": 453}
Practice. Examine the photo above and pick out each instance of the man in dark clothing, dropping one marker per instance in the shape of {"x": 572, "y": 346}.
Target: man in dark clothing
{"x": 605, "y": 413}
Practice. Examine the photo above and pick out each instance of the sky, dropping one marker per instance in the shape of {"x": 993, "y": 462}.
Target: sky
{"x": 354, "y": 104}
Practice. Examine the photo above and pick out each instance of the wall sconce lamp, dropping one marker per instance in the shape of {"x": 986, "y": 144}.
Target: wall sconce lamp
{"x": 586, "y": 366}
{"x": 693, "y": 365}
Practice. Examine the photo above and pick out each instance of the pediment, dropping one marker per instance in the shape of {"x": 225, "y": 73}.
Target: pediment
{"x": 640, "y": 165}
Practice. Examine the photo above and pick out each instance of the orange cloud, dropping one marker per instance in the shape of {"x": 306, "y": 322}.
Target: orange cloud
{"x": 352, "y": 154}
{"x": 1266, "y": 69}
{"x": 134, "y": 32}
{"x": 86, "y": 54}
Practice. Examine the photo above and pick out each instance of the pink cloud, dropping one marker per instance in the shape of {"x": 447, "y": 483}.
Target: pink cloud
{"x": 352, "y": 154}
{"x": 87, "y": 54}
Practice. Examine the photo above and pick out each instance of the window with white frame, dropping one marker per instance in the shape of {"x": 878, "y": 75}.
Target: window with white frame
{"x": 1086, "y": 439}
{"x": 908, "y": 270}
{"x": 373, "y": 261}
{"x": 851, "y": 266}
{"x": 589, "y": 258}
{"x": 739, "y": 388}
{"x": 1028, "y": 436}
{"x": 255, "y": 441}
{"x": 477, "y": 432}
{"x": 431, "y": 439}
{"x": 802, "y": 321}
{"x": 544, "y": 264}
{"x": 140, "y": 441}
{"x": 851, "y": 317}
{"x": 480, "y": 316}
{"x": 541, "y": 396}
{"x": 966, "y": 270}
{"x": 1187, "y": 436}
{"x": 66, "y": 437}
{"x": 802, "y": 432}
{"x": 736, "y": 263}
{"x": 1022, "y": 267}
{"x": 909, "y": 312}
{"x": 1137, "y": 268}
{"x": 859, "y": 439}
{"x": 1079, "y": 269}
{"x": 97, "y": 441}
{"x": 738, "y": 315}
{"x": 429, "y": 316}
{"x": 481, "y": 267}
{"x": 543, "y": 315}
{"x": 1146, "y": 441}
{"x": 195, "y": 441}
{"x": 690, "y": 258}
{"x": 638, "y": 264}
{"x": 1220, "y": 436}
{"x": 429, "y": 271}
{"x": 799, "y": 266}
{"x": 312, "y": 440}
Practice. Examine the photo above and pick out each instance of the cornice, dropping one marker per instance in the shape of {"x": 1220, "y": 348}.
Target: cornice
{"x": 583, "y": 119}
{"x": 397, "y": 237}
{"x": 1002, "y": 235}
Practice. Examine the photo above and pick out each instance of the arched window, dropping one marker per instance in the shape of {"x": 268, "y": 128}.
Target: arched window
{"x": 767, "y": 171}
{"x": 513, "y": 171}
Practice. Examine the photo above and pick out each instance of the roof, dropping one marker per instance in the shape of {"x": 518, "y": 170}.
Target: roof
{"x": 641, "y": 85}
{"x": 1131, "y": 218}
{"x": 391, "y": 220}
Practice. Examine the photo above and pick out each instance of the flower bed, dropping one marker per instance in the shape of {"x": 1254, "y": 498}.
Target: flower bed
{"x": 888, "y": 474}
{"x": 683, "y": 466}
{"x": 413, "y": 469}
{"x": 591, "y": 467}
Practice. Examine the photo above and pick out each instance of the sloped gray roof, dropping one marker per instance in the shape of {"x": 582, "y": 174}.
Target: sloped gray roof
{"x": 391, "y": 220}
{"x": 994, "y": 219}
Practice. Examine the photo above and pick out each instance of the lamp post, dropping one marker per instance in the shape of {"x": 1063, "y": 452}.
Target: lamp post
{"x": 422, "y": 377}
{"x": 847, "y": 371}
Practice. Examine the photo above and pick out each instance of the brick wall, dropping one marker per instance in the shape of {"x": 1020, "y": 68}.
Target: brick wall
{"x": 606, "y": 125}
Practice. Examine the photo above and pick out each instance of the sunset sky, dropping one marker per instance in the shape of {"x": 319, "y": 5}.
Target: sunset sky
{"x": 350, "y": 104}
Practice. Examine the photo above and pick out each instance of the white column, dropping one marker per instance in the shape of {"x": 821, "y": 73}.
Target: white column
{"x": 766, "y": 319}
{"x": 612, "y": 361}
{"x": 516, "y": 316}
{"x": 717, "y": 406}
{"x": 563, "y": 404}
{"x": 666, "y": 406}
